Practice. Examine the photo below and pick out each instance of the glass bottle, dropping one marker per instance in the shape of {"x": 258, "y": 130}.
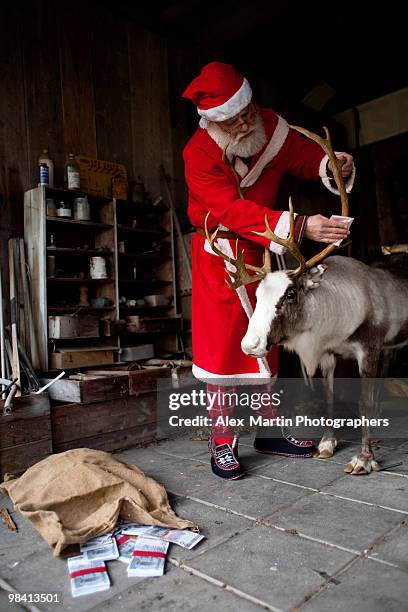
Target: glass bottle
{"x": 72, "y": 174}
{"x": 51, "y": 242}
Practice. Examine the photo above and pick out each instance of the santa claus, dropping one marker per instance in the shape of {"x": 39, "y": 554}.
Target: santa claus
{"x": 234, "y": 164}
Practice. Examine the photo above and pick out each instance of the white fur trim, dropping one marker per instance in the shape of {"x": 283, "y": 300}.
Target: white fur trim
{"x": 208, "y": 249}
{"x": 224, "y": 246}
{"x": 349, "y": 182}
{"x": 203, "y": 123}
{"x": 231, "y": 107}
{"x": 251, "y": 378}
{"x": 282, "y": 231}
{"x": 240, "y": 167}
{"x": 272, "y": 149}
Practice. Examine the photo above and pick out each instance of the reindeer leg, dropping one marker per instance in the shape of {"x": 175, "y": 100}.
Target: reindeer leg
{"x": 328, "y": 442}
{"x": 365, "y": 462}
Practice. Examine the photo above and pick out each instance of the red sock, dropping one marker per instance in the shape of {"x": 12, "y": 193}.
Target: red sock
{"x": 223, "y": 441}
{"x": 223, "y": 406}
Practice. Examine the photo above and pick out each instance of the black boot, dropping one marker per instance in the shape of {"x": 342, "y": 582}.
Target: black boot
{"x": 279, "y": 441}
{"x": 224, "y": 459}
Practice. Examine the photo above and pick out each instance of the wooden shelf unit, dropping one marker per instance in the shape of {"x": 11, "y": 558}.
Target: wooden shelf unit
{"x": 85, "y": 224}
{"x": 74, "y": 243}
{"x": 140, "y": 243}
{"x": 70, "y": 251}
{"x": 147, "y": 246}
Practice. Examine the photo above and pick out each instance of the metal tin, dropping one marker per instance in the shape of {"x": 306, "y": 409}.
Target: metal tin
{"x": 43, "y": 175}
{"x": 98, "y": 267}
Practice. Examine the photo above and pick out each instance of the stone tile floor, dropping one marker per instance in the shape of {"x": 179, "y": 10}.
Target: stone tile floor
{"x": 292, "y": 535}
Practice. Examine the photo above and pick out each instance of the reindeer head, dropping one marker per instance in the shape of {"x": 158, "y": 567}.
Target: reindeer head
{"x": 281, "y": 296}
{"x": 281, "y": 309}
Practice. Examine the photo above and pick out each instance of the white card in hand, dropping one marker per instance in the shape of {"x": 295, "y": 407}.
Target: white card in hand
{"x": 347, "y": 222}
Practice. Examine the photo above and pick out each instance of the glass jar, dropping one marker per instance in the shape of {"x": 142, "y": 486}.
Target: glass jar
{"x": 82, "y": 211}
{"x": 64, "y": 209}
{"x": 51, "y": 208}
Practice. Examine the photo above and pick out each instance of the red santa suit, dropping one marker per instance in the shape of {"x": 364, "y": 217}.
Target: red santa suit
{"x": 238, "y": 198}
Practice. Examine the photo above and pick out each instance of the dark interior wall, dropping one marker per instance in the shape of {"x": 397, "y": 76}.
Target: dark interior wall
{"x": 77, "y": 79}
{"x": 379, "y": 200}
{"x": 185, "y": 63}
{"x": 80, "y": 77}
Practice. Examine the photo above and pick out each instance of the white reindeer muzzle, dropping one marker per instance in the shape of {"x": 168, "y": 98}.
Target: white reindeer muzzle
{"x": 252, "y": 344}
{"x": 269, "y": 292}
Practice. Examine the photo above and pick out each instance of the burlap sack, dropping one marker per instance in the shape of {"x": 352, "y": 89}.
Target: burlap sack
{"x": 73, "y": 496}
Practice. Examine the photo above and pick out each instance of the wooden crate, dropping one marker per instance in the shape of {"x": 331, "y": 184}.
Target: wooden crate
{"x": 140, "y": 381}
{"x": 109, "y": 426}
{"x": 80, "y": 357}
{"x": 160, "y": 324}
{"x": 85, "y": 388}
{"x": 182, "y": 376}
{"x": 25, "y": 435}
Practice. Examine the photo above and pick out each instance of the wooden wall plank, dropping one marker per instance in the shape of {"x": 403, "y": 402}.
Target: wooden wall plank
{"x": 13, "y": 142}
{"x": 82, "y": 421}
{"x": 111, "y": 87}
{"x": 25, "y": 434}
{"x": 139, "y": 100}
{"x": 78, "y": 109}
{"x": 113, "y": 441}
{"x": 17, "y": 459}
{"x": 43, "y": 86}
{"x": 17, "y": 431}
{"x": 149, "y": 107}
{"x": 390, "y": 162}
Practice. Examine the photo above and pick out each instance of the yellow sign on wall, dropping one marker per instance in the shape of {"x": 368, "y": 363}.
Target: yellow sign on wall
{"x": 96, "y": 175}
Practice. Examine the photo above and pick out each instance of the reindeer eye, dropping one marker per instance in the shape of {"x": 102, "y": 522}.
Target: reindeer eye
{"x": 291, "y": 295}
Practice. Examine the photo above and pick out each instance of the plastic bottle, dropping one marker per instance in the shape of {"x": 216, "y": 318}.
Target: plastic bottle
{"x": 72, "y": 175}
{"x": 45, "y": 159}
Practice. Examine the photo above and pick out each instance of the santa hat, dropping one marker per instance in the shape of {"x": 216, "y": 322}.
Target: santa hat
{"x": 219, "y": 92}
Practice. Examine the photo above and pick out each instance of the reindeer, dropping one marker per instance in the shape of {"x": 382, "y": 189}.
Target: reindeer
{"x": 322, "y": 311}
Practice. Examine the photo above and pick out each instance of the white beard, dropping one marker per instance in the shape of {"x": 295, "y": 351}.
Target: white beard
{"x": 243, "y": 145}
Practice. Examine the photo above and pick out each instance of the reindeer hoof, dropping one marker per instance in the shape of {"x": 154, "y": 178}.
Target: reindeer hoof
{"x": 359, "y": 470}
{"x": 325, "y": 454}
{"x": 361, "y": 465}
{"x": 326, "y": 448}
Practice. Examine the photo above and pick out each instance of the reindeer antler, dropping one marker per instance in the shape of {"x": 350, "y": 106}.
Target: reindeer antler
{"x": 336, "y": 164}
{"x": 289, "y": 242}
{"x": 240, "y": 275}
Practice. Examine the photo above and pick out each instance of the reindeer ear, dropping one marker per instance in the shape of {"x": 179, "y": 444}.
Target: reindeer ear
{"x": 315, "y": 275}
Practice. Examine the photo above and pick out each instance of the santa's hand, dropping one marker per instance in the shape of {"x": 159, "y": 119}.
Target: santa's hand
{"x": 348, "y": 164}
{"x": 322, "y": 229}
